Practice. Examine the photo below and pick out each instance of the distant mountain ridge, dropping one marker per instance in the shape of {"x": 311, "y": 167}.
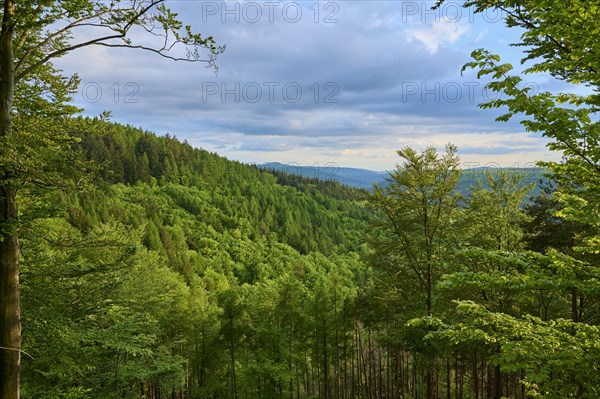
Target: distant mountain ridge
{"x": 354, "y": 177}
{"x": 365, "y": 178}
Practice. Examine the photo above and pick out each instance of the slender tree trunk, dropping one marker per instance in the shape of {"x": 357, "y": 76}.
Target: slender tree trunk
{"x": 290, "y": 364}
{"x": 574, "y": 307}
{"x": 10, "y": 329}
{"x": 456, "y": 375}
{"x": 202, "y": 364}
{"x": 370, "y": 360}
{"x": 380, "y": 374}
{"x": 297, "y": 382}
{"x": 461, "y": 380}
{"x": 488, "y": 382}
{"x": 197, "y": 357}
{"x": 475, "y": 376}
{"x": 232, "y": 363}
{"x": 429, "y": 376}
{"x": 308, "y": 390}
{"x": 409, "y": 374}
{"x": 345, "y": 362}
{"x": 317, "y": 367}
{"x": 497, "y": 383}
{"x": 352, "y": 394}
{"x": 429, "y": 284}
{"x": 429, "y": 383}
{"x": 117, "y": 376}
{"x": 10, "y": 317}
{"x": 448, "y": 378}
{"x": 336, "y": 360}
{"x": 389, "y": 384}
{"x": 397, "y": 375}
{"x": 483, "y": 385}
{"x": 325, "y": 371}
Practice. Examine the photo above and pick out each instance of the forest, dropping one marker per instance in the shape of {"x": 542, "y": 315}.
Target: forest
{"x": 178, "y": 273}
{"x": 137, "y": 266}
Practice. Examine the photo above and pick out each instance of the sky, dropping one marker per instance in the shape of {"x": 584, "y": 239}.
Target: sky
{"x": 319, "y": 83}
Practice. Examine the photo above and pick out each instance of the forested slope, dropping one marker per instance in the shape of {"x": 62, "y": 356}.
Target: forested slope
{"x": 178, "y": 272}
{"x": 308, "y": 214}
{"x": 168, "y": 271}
{"x": 174, "y": 272}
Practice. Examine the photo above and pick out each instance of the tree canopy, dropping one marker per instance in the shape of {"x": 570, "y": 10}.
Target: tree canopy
{"x": 147, "y": 268}
{"x": 34, "y": 96}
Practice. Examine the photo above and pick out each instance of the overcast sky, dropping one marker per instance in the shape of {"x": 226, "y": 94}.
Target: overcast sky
{"x": 307, "y": 82}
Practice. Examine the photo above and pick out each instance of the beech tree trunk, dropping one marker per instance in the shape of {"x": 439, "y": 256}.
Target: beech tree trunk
{"x": 10, "y": 318}
{"x": 429, "y": 376}
{"x": 10, "y": 327}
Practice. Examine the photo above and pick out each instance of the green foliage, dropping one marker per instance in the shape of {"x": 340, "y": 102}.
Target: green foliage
{"x": 546, "y": 229}
{"x": 417, "y": 211}
{"x": 537, "y": 347}
{"x": 510, "y": 288}
{"x": 493, "y": 214}
{"x": 180, "y": 273}
{"x": 134, "y": 286}
{"x": 302, "y": 212}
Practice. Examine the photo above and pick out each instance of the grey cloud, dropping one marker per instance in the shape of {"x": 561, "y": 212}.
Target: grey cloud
{"x": 366, "y": 55}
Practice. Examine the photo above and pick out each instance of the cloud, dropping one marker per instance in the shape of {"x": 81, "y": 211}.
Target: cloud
{"x": 435, "y": 34}
{"x": 371, "y": 80}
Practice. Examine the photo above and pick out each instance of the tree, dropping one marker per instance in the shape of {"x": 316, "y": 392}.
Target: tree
{"x": 491, "y": 233}
{"x": 546, "y": 230}
{"x": 559, "y": 40}
{"x": 494, "y": 212}
{"x": 417, "y": 209}
{"x": 32, "y": 34}
{"x": 559, "y": 43}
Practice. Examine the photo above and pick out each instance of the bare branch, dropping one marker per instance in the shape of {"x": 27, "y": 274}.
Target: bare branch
{"x": 56, "y": 34}
{"x": 16, "y": 350}
{"x": 121, "y": 35}
{"x": 157, "y": 51}
{"x": 57, "y": 53}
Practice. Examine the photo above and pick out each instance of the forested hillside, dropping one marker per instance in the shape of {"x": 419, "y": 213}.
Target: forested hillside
{"x": 306, "y": 214}
{"x": 178, "y": 273}
{"x": 353, "y": 177}
{"x": 181, "y": 272}
{"x": 136, "y": 266}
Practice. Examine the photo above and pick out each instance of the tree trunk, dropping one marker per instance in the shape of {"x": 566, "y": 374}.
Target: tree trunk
{"x": 336, "y": 363}
{"x": 10, "y": 329}
{"x": 10, "y": 317}
{"x": 429, "y": 384}
{"x": 475, "y": 376}
{"x": 232, "y": 362}
{"x": 291, "y": 384}
{"x": 574, "y": 305}
{"x": 429, "y": 376}
{"x": 325, "y": 371}
{"x": 461, "y": 380}
{"x": 398, "y": 375}
{"x": 448, "y": 378}
{"x": 497, "y": 383}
